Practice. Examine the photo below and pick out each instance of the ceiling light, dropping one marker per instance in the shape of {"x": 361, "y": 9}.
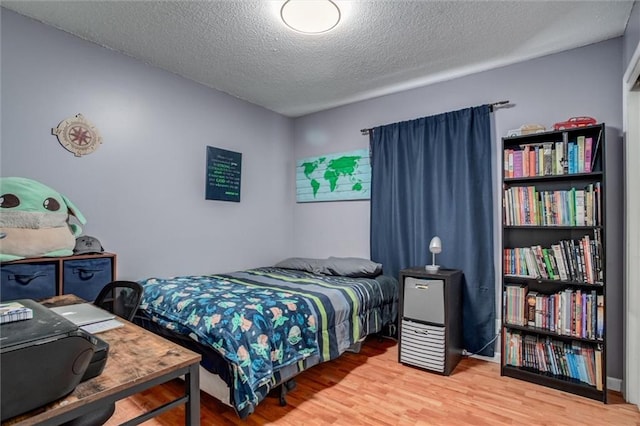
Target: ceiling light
{"x": 310, "y": 16}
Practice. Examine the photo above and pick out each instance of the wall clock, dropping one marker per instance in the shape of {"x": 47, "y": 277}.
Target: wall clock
{"x": 78, "y": 135}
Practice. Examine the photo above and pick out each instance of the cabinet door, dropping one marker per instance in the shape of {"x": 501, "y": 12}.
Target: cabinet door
{"x": 86, "y": 277}
{"x": 24, "y": 281}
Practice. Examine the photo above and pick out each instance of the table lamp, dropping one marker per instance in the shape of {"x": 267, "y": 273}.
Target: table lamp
{"x": 435, "y": 247}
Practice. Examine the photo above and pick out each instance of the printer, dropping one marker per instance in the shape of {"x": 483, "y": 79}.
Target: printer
{"x": 43, "y": 359}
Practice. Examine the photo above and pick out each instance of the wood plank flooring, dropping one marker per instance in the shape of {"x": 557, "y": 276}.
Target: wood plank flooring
{"x": 372, "y": 388}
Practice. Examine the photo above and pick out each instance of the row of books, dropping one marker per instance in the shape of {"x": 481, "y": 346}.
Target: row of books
{"x": 568, "y": 260}
{"x": 525, "y": 205}
{"x": 575, "y": 313}
{"x": 551, "y": 158}
{"x": 564, "y": 360}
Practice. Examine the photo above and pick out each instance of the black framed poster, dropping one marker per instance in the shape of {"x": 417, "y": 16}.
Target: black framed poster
{"x": 223, "y": 174}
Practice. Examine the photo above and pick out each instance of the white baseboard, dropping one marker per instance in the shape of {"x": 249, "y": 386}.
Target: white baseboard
{"x": 614, "y": 384}
{"x": 495, "y": 358}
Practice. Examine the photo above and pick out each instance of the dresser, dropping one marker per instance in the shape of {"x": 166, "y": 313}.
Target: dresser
{"x": 43, "y": 277}
{"x": 430, "y": 319}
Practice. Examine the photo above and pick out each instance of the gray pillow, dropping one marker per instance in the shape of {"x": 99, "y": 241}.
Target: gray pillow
{"x": 354, "y": 267}
{"x": 301, "y": 264}
{"x": 351, "y": 267}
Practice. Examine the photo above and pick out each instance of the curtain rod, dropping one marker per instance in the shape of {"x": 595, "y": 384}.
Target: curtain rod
{"x": 492, "y": 107}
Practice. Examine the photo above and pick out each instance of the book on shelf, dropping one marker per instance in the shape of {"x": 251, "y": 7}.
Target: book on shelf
{"x": 560, "y": 263}
{"x": 547, "y": 160}
{"x": 588, "y": 147}
{"x": 560, "y": 158}
{"x": 579, "y": 207}
{"x": 588, "y": 205}
{"x": 544, "y": 364}
{"x": 590, "y": 368}
{"x": 571, "y": 158}
{"x": 533, "y": 152}
{"x": 537, "y": 250}
{"x": 600, "y": 317}
{"x": 514, "y": 304}
{"x": 517, "y": 164}
{"x": 14, "y": 311}
{"x": 597, "y": 257}
{"x": 532, "y": 265}
{"x": 552, "y": 271}
{"x": 531, "y": 308}
{"x": 577, "y": 313}
{"x": 551, "y": 356}
{"x": 598, "y": 365}
{"x": 597, "y": 199}
{"x": 580, "y": 158}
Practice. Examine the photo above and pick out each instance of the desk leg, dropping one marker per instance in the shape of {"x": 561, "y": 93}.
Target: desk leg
{"x": 192, "y": 385}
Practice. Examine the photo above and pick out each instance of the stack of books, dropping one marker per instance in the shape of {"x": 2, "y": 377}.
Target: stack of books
{"x": 14, "y": 311}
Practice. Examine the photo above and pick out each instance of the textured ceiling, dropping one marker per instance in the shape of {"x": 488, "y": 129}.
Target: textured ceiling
{"x": 380, "y": 47}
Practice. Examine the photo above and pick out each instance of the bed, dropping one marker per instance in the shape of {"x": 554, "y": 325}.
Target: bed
{"x": 257, "y": 329}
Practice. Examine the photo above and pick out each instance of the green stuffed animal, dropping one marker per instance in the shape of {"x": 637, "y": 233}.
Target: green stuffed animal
{"x": 34, "y": 220}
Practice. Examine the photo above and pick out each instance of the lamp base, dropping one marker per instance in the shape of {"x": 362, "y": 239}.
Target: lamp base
{"x": 432, "y": 268}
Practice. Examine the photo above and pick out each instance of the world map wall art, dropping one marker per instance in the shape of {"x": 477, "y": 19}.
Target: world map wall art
{"x": 334, "y": 177}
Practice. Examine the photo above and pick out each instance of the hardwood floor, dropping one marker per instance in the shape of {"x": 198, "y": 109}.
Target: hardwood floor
{"x": 372, "y": 388}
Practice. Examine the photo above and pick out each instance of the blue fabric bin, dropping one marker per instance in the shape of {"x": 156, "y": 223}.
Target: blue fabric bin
{"x": 86, "y": 277}
{"x": 24, "y": 281}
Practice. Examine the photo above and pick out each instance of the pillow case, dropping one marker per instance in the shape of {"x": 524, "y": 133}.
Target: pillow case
{"x": 351, "y": 267}
{"x": 354, "y": 267}
{"x": 301, "y": 264}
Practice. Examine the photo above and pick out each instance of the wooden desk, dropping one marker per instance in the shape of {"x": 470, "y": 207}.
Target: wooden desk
{"x": 138, "y": 360}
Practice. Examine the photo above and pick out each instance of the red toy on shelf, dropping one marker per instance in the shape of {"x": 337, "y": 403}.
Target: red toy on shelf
{"x": 574, "y": 122}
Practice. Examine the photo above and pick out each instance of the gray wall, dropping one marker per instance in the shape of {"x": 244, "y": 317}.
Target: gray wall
{"x": 142, "y": 191}
{"x": 583, "y": 81}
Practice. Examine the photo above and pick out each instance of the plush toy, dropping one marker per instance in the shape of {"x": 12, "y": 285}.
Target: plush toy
{"x": 34, "y": 220}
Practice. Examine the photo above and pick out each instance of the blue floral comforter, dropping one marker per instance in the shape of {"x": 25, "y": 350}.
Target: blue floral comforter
{"x": 265, "y": 319}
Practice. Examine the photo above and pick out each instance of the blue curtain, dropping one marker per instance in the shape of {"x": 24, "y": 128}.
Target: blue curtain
{"x": 432, "y": 176}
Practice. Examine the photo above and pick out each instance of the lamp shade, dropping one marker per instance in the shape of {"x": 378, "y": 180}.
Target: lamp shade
{"x": 435, "y": 246}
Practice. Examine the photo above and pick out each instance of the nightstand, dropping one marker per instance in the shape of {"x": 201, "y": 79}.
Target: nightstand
{"x": 430, "y": 309}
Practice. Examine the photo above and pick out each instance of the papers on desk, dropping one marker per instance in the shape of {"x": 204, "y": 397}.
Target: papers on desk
{"x": 99, "y": 327}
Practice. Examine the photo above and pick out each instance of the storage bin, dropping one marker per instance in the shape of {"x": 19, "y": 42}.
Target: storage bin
{"x": 424, "y": 300}
{"x": 86, "y": 277}
{"x": 423, "y": 345}
{"x": 28, "y": 281}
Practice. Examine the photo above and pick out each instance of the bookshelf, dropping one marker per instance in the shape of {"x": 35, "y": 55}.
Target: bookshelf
{"x": 553, "y": 268}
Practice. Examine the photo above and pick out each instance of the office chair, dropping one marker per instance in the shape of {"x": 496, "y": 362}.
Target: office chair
{"x": 121, "y": 298}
